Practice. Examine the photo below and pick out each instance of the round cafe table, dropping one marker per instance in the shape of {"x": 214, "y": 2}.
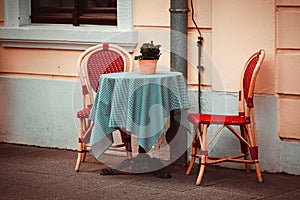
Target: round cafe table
{"x": 137, "y": 103}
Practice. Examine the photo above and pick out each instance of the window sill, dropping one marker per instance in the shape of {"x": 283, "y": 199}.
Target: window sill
{"x": 66, "y": 36}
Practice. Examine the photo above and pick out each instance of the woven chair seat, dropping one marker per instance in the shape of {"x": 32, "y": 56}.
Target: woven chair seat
{"x": 198, "y": 119}
{"x": 85, "y": 113}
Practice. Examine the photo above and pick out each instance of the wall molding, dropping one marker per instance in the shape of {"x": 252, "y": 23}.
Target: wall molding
{"x": 18, "y": 32}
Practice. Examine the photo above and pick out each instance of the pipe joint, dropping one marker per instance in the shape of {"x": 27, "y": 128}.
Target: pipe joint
{"x": 179, "y": 10}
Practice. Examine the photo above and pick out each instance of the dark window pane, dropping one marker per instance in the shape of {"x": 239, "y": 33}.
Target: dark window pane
{"x": 102, "y": 3}
{"x": 100, "y": 12}
{"x": 57, "y": 3}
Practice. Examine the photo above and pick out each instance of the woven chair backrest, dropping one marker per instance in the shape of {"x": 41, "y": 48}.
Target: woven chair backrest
{"x": 97, "y": 60}
{"x": 249, "y": 75}
{"x": 103, "y": 61}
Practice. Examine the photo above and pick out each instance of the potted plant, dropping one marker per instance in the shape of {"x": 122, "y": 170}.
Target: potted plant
{"x": 150, "y": 53}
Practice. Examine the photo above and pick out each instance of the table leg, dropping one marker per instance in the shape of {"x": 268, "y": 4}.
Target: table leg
{"x": 141, "y": 149}
{"x": 174, "y": 126}
{"x": 176, "y": 137}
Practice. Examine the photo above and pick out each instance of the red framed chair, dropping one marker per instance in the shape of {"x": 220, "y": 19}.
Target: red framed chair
{"x": 244, "y": 121}
{"x": 97, "y": 60}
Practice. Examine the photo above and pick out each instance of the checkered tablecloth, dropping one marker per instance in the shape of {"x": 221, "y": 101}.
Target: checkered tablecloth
{"x": 138, "y": 103}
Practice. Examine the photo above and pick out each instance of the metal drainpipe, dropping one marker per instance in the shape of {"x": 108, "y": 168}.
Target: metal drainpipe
{"x": 179, "y": 27}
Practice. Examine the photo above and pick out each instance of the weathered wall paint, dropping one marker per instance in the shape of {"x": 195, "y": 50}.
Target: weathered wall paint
{"x": 37, "y": 112}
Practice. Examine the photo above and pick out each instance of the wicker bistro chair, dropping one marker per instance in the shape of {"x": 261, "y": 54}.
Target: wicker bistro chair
{"x": 244, "y": 121}
{"x": 97, "y": 60}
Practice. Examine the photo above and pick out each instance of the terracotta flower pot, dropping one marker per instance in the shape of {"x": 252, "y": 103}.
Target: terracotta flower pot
{"x": 148, "y": 66}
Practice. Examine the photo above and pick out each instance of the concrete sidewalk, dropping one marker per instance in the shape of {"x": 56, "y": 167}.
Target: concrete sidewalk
{"x": 28, "y": 172}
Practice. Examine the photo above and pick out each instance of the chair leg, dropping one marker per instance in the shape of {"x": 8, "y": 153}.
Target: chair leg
{"x": 83, "y": 154}
{"x": 258, "y": 173}
{"x": 126, "y": 139}
{"x": 204, "y": 153}
{"x": 193, "y": 156}
{"x": 128, "y": 146}
{"x": 254, "y": 154}
{"x": 81, "y": 148}
{"x": 80, "y": 155}
{"x": 202, "y": 169}
{"x": 244, "y": 149}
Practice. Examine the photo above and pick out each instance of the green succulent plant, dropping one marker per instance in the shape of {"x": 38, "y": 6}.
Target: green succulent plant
{"x": 149, "y": 51}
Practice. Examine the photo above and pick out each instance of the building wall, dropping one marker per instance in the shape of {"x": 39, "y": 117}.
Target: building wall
{"x": 42, "y": 93}
{"x": 37, "y": 112}
{"x": 239, "y": 29}
{"x": 288, "y": 59}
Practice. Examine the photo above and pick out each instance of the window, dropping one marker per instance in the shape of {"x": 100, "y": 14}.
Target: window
{"x": 76, "y": 12}
{"x": 19, "y": 31}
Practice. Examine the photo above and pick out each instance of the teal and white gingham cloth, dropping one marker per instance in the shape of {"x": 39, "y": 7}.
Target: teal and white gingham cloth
{"x": 136, "y": 102}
